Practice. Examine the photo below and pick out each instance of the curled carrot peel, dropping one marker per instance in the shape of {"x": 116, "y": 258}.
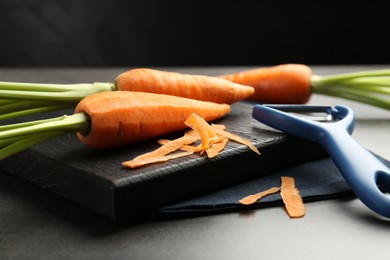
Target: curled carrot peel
{"x": 111, "y": 119}
{"x": 211, "y": 143}
{"x": 204, "y": 130}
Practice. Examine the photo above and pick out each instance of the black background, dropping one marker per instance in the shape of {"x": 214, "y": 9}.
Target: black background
{"x": 43, "y": 33}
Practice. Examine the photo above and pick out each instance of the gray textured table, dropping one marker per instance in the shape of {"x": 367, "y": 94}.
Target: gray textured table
{"x": 35, "y": 224}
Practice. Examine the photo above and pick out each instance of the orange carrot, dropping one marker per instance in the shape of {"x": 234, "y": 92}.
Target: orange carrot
{"x": 286, "y": 83}
{"x": 124, "y": 117}
{"x": 184, "y": 85}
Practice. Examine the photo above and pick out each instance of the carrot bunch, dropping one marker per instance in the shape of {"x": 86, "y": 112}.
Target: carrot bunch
{"x": 140, "y": 104}
{"x": 159, "y": 102}
{"x": 286, "y": 83}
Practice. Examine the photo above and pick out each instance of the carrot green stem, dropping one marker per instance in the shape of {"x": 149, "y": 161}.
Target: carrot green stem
{"x": 19, "y": 136}
{"x": 21, "y": 99}
{"x": 21, "y": 144}
{"x": 31, "y": 111}
{"x": 51, "y": 92}
{"x": 17, "y": 106}
{"x": 369, "y": 87}
{"x": 6, "y": 101}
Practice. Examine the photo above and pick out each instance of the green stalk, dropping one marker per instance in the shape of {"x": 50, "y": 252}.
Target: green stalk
{"x": 27, "y": 123}
{"x": 369, "y": 87}
{"x": 76, "y": 122}
{"x": 20, "y": 99}
{"x": 21, "y": 144}
{"x": 16, "y": 105}
{"x": 337, "y": 78}
{"x": 32, "y": 111}
{"x": 355, "y": 95}
{"x": 19, "y": 136}
{"x": 44, "y": 87}
{"x": 45, "y": 93}
{"x": 6, "y": 101}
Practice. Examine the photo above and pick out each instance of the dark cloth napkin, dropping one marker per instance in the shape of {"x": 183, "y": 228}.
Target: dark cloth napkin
{"x": 317, "y": 180}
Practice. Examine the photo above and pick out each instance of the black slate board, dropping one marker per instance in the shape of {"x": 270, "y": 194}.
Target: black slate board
{"x": 97, "y": 180}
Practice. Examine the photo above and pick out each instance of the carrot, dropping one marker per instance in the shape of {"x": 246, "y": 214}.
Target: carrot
{"x": 111, "y": 119}
{"x": 286, "y": 83}
{"x": 212, "y": 138}
{"x": 294, "y": 83}
{"x": 21, "y": 99}
{"x": 291, "y": 198}
{"x": 125, "y": 117}
{"x": 184, "y": 85}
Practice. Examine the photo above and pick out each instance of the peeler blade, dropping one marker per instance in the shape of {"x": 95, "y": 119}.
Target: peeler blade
{"x": 314, "y": 113}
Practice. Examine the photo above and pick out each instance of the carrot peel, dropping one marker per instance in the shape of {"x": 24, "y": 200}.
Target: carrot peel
{"x": 238, "y": 139}
{"x": 212, "y": 141}
{"x": 291, "y": 198}
{"x": 255, "y": 197}
{"x": 205, "y": 131}
{"x": 158, "y": 158}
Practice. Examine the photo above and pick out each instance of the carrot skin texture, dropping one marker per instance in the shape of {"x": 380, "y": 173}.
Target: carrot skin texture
{"x": 283, "y": 84}
{"x": 198, "y": 87}
{"x": 123, "y": 117}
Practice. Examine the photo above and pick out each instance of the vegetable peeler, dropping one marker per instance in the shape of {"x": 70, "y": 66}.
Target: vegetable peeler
{"x": 332, "y": 127}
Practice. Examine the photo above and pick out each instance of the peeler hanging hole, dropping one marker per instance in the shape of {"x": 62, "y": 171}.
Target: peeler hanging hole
{"x": 383, "y": 181}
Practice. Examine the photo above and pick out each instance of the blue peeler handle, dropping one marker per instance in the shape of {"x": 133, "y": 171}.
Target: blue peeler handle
{"x": 365, "y": 174}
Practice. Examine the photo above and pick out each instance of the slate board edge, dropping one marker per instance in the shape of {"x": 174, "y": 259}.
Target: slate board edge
{"x": 120, "y": 200}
